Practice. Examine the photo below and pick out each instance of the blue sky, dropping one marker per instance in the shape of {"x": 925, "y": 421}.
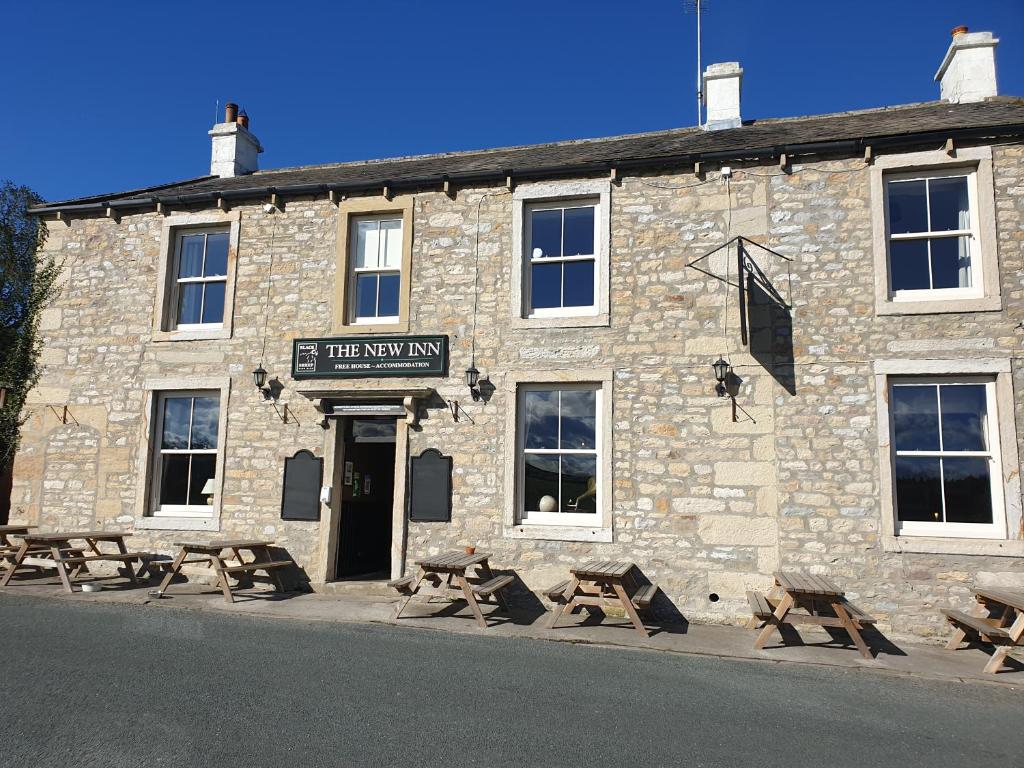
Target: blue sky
{"x": 101, "y": 98}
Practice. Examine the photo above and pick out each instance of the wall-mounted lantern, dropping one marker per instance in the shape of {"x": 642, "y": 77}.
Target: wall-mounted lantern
{"x": 259, "y": 377}
{"x": 473, "y": 381}
{"x": 722, "y": 370}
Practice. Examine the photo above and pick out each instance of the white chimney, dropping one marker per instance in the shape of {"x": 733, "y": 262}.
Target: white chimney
{"x": 235, "y": 150}
{"x": 722, "y": 95}
{"x": 968, "y": 72}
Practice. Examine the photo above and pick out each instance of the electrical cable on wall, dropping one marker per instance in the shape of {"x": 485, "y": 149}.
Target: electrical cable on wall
{"x": 270, "y": 278}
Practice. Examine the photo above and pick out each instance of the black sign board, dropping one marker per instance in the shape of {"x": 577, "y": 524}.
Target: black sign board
{"x": 303, "y": 474}
{"x": 430, "y": 488}
{"x": 349, "y": 357}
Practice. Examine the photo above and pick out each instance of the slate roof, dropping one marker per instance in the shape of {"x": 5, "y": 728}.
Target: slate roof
{"x": 998, "y": 116}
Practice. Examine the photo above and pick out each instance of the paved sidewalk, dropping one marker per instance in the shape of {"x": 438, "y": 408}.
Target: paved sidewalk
{"x": 729, "y": 642}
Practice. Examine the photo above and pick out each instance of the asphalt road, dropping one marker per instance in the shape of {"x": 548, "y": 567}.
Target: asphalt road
{"x": 111, "y": 686}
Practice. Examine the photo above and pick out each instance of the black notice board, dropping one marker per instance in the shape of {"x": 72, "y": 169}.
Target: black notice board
{"x": 303, "y": 475}
{"x": 430, "y": 487}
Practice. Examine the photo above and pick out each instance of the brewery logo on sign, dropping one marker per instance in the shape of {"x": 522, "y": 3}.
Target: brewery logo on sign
{"x": 305, "y": 356}
{"x": 373, "y": 356}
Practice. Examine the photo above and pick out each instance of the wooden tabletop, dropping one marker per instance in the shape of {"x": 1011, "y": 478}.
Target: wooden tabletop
{"x": 68, "y": 535}
{"x": 805, "y": 584}
{"x": 4, "y": 529}
{"x": 1004, "y": 596}
{"x": 211, "y": 546}
{"x": 602, "y": 569}
{"x": 452, "y": 561}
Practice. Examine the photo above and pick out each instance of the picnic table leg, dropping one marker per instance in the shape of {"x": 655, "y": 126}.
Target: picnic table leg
{"x": 262, "y": 554}
{"x": 222, "y": 577}
{"x": 570, "y": 590}
{"x": 996, "y": 662}
{"x": 630, "y": 609}
{"x": 851, "y": 629}
{"x": 485, "y": 571}
{"x": 175, "y": 567}
{"x": 774, "y": 621}
{"x": 15, "y": 564}
{"x": 415, "y": 589}
{"x": 121, "y": 548}
{"x": 59, "y": 563}
{"x": 467, "y": 592}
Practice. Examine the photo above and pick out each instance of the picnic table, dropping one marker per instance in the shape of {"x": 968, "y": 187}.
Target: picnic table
{"x": 214, "y": 554}
{"x": 603, "y": 583}
{"x": 450, "y": 570}
{"x": 825, "y": 603}
{"x": 993, "y": 620}
{"x": 8, "y": 547}
{"x": 55, "y": 551}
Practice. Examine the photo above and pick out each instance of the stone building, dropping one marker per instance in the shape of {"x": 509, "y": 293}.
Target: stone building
{"x": 861, "y": 274}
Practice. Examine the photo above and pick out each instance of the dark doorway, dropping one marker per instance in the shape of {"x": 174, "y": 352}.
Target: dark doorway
{"x": 367, "y": 498}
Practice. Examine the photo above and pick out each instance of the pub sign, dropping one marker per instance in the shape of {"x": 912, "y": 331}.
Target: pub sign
{"x": 350, "y": 357}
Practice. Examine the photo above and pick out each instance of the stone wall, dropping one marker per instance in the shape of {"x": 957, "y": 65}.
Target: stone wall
{"x": 704, "y": 505}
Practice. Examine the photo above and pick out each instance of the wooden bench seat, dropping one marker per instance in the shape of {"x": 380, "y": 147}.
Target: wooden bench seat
{"x": 403, "y": 585}
{"x": 556, "y": 594}
{"x": 491, "y": 586}
{"x": 976, "y": 623}
{"x": 106, "y": 556}
{"x": 858, "y": 614}
{"x": 759, "y": 605}
{"x": 642, "y": 597}
{"x": 256, "y": 566}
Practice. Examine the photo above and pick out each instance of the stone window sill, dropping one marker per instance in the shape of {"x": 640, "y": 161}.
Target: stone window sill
{"x": 178, "y": 523}
{"x": 193, "y": 335}
{"x": 943, "y": 546}
{"x": 583, "y": 321}
{"x": 984, "y": 304}
{"x": 357, "y": 329}
{"x": 558, "y": 533}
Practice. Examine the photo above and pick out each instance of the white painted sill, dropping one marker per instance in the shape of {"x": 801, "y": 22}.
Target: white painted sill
{"x": 178, "y": 523}
{"x": 939, "y": 307}
{"x": 197, "y": 334}
{"x": 558, "y": 533}
{"x": 928, "y": 545}
{"x": 578, "y": 321}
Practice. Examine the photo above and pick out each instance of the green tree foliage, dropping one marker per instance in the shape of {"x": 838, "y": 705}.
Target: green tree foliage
{"x": 28, "y": 281}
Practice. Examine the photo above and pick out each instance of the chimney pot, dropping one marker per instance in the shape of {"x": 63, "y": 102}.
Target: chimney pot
{"x": 230, "y": 112}
{"x": 957, "y": 31}
{"x": 722, "y": 85}
{"x": 968, "y": 70}
{"x": 243, "y": 119}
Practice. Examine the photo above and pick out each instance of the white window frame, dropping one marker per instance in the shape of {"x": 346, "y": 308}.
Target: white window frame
{"x": 995, "y": 529}
{"x": 1008, "y": 517}
{"x": 177, "y": 282}
{"x": 976, "y": 289}
{"x": 559, "y": 205}
{"x": 536, "y": 517}
{"x": 180, "y": 510}
{"x": 561, "y": 194}
{"x": 354, "y": 271}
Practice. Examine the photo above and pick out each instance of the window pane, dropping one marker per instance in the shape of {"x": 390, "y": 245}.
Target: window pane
{"x": 579, "y": 419}
{"x": 366, "y": 244}
{"x": 174, "y": 479}
{"x": 387, "y": 305}
{"x": 947, "y": 199}
{"x": 908, "y": 210}
{"x": 578, "y": 290}
{"x": 190, "y": 262}
{"x": 908, "y": 264}
{"x": 540, "y": 480}
{"x": 205, "y": 414}
{"x": 391, "y": 244}
{"x": 540, "y": 418}
{"x": 918, "y": 489}
{"x": 216, "y": 254}
{"x": 545, "y": 286}
{"x": 951, "y": 262}
{"x": 176, "y": 418}
{"x": 968, "y": 490}
{"x": 579, "y": 232}
{"x": 213, "y": 304}
{"x": 366, "y": 296}
{"x": 963, "y": 417}
{"x": 579, "y": 483}
{"x": 204, "y": 466}
{"x": 915, "y": 416}
{"x": 190, "y": 303}
{"x": 546, "y": 233}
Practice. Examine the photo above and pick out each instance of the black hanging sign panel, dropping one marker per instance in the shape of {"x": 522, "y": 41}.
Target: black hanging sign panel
{"x": 430, "y": 488}
{"x": 351, "y": 357}
{"x": 303, "y": 475}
